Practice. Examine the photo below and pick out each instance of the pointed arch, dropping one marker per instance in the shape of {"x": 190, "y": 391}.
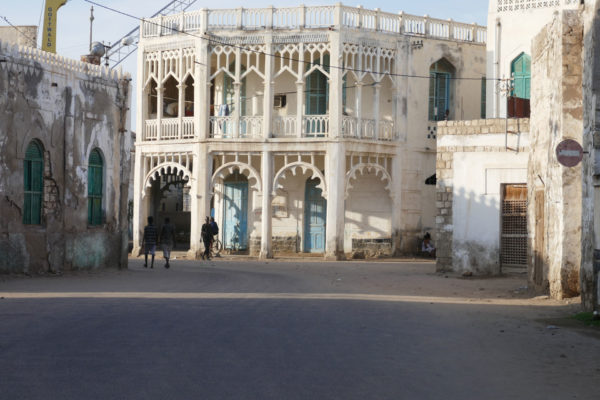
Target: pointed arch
{"x": 365, "y": 168}
{"x": 304, "y": 166}
{"x": 167, "y": 168}
{"x": 245, "y": 169}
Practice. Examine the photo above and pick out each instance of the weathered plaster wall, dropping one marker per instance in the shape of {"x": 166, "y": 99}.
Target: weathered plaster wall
{"x": 590, "y": 235}
{"x": 21, "y": 35}
{"x": 71, "y": 108}
{"x": 473, "y": 162}
{"x": 557, "y": 113}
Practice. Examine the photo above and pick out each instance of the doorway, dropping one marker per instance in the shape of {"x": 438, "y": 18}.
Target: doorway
{"x": 235, "y": 212}
{"x": 513, "y": 237}
{"x": 315, "y": 211}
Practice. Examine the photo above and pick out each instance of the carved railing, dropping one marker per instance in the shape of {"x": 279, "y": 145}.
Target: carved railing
{"x": 318, "y": 17}
{"x": 151, "y": 129}
{"x": 169, "y": 129}
{"x": 315, "y": 125}
{"x": 221, "y": 127}
{"x": 187, "y": 131}
{"x": 251, "y": 127}
{"x": 285, "y": 126}
{"x": 367, "y": 129}
{"x": 386, "y": 130}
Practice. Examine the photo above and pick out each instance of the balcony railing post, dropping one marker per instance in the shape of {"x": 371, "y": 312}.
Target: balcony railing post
{"x": 426, "y": 27}
{"x": 401, "y": 22}
{"x": 270, "y": 15}
{"x": 474, "y": 32}
{"x": 377, "y": 19}
{"x": 302, "y": 16}
{"x": 450, "y": 29}
{"x": 360, "y": 16}
{"x": 240, "y": 17}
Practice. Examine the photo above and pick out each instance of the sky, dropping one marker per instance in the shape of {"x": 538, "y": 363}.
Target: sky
{"x": 74, "y": 24}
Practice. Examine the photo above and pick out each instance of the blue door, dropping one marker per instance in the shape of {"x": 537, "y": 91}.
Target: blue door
{"x": 235, "y": 218}
{"x": 315, "y": 211}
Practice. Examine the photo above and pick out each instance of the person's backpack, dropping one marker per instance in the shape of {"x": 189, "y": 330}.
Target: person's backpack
{"x": 215, "y": 229}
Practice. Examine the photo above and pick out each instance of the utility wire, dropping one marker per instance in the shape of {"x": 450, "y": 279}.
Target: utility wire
{"x": 214, "y": 40}
{"x": 20, "y": 31}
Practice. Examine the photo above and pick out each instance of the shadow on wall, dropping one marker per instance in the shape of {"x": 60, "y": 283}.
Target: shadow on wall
{"x": 476, "y": 237}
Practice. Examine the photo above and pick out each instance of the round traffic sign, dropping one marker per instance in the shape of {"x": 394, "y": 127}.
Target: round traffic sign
{"x": 569, "y": 153}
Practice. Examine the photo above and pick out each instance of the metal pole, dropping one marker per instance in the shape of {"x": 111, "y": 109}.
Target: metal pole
{"x": 91, "y": 24}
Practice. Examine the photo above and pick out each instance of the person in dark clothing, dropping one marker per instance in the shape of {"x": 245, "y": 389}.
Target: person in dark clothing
{"x": 149, "y": 241}
{"x": 206, "y": 233}
{"x": 215, "y": 230}
{"x": 167, "y": 240}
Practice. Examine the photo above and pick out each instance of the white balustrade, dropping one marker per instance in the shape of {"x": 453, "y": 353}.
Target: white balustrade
{"x": 316, "y": 125}
{"x": 221, "y": 127}
{"x": 285, "y": 126}
{"x": 318, "y": 17}
{"x": 151, "y": 129}
{"x": 251, "y": 126}
{"x": 188, "y": 128}
{"x": 349, "y": 127}
{"x": 367, "y": 129}
{"x": 169, "y": 129}
{"x": 386, "y": 130}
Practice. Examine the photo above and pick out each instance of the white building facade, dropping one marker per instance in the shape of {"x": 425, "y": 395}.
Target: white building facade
{"x": 307, "y": 129}
{"x": 512, "y": 24}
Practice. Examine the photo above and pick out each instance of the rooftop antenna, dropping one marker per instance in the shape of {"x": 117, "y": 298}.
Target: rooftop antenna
{"x": 91, "y": 25}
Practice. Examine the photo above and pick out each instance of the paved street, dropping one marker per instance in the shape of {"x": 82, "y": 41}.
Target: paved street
{"x": 288, "y": 330}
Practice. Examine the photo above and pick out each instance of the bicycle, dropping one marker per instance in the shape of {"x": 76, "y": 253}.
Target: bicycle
{"x": 215, "y": 245}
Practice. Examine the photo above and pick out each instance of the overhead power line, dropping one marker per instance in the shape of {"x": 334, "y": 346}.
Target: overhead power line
{"x": 215, "y": 40}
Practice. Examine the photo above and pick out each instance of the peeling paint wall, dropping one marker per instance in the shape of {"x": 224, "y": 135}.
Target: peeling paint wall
{"x": 71, "y": 108}
{"x": 557, "y": 114}
{"x": 590, "y": 235}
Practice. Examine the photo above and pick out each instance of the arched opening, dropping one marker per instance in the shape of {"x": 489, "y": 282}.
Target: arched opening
{"x": 189, "y": 96}
{"x": 33, "y": 170}
{"x": 170, "y": 198}
{"x": 152, "y": 99}
{"x": 170, "y": 98}
{"x": 95, "y": 188}
{"x": 441, "y": 74}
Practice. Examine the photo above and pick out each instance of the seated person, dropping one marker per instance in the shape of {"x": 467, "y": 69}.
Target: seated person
{"x": 427, "y": 246}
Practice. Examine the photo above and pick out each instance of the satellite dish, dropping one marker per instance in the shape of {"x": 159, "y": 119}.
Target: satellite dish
{"x": 98, "y": 49}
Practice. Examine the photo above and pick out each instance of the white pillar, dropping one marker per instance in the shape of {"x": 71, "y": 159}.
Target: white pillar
{"x": 199, "y": 197}
{"x": 202, "y": 84}
{"x": 268, "y": 85}
{"x": 335, "y": 79}
{"x": 377, "y": 91}
{"x": 138, "y": 223}
{"x": 299, "y": 107}
{"x": 359, "y": 110}
{"x": 180, "y": 109}
{"x": 336, "y": 178}
{"x": 396, "y": 193}
{"x": 267, "y": 183}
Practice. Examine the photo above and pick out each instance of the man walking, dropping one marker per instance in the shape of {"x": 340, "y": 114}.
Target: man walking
{"x": 206, "y": 233}
{"x": 215, "y": 232}
{"x": 149, "y": 241}
{"x": 167, "y": 240}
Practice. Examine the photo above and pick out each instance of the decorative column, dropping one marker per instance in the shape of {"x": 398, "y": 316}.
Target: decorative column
{"x": 160, "y": 90}
{"x": 138, "y": 189}
{"x": 359, "y": 110}
{"x": 200, "y": 195}
{"x": 335, "y": 171}
{"x": 376, "y": 95}
{"x": 180, "y": 109}
{"x": 267, "y": 183}
{"x": 268, "y": 92}
{"x": 202, "y": 84}
{"x": 237, "y": 85}
{"x": 396, "y": 194}
{"x": 335, "y": 78}
{"x": 300, "y": 85}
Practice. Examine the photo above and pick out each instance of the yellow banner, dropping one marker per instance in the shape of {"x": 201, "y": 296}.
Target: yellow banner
{"x": 49, "y": 33}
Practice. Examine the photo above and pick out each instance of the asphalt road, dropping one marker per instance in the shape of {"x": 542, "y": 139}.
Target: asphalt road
{"x": 288, "y": 330}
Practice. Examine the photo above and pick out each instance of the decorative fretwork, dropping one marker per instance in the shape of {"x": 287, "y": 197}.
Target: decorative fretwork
{"x": 363, "y": 60}
{"x": 521, "y": 5}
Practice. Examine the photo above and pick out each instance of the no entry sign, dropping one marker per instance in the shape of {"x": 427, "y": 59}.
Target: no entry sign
{"x": 569, "y": 153}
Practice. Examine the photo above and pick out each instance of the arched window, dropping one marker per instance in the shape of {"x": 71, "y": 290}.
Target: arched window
{"x": 520, "y": 70}
{"x": 440, "y": 83}
{"x": 95, "y": 187}
{"x": 317, "y": 89}
{"x": 33, "y": 170}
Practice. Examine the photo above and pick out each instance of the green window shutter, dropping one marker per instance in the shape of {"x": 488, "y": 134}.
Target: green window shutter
{"x": 95, "y": 188}
{"x": 483, "y": 97}
{"x": 33, "y": 184}
{"x": 521, "y": 72}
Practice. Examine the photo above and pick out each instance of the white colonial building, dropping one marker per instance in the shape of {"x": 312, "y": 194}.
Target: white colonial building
{"x": 307, "y": 129}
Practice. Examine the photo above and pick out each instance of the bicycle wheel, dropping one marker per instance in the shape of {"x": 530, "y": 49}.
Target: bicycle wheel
{"x": 218, "y": 245}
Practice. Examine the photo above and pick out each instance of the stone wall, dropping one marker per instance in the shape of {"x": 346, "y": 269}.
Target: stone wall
{"x": 456, "y": 138}
{"x": 70, "y": 108}
{"x": 590, "y": 235}
{"x": 555, "y": 198}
